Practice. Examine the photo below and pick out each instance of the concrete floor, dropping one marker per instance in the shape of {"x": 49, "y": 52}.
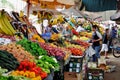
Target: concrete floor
{"x": 116, "y": 74}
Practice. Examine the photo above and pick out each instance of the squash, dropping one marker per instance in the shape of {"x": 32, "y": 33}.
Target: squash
{"x": 54, "y": 36}
{"x": 38, "y": 38}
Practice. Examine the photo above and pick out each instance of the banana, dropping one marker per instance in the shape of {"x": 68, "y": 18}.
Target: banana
{"x": 1, "y": 31}
{"x": 8, "y": 25}
{"x": 3, "y": 27}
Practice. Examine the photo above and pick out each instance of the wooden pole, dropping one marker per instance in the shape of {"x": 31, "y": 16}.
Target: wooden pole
{"x": 118, "y": 5}
{"x": 28, "y": 7}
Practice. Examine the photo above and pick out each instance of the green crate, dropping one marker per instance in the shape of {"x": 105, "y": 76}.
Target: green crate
{"x": 75, "y": 64}
{"x": 95, "y": 74}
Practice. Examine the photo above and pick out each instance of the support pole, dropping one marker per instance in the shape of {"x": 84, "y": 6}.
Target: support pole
{"x": 28, "y": 7}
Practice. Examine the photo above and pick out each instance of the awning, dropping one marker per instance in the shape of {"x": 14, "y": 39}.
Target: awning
{"x": 66, "y": 2}
{"x": 72, "y": 11}
{"x": 38, "y": 8}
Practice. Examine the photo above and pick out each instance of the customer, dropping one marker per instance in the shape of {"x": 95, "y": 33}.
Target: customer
{"x": 67, "y": 33}
{"x": 113, "y": 35}
{"x": 105, "y": 43}
{"x": 96, "y": 38}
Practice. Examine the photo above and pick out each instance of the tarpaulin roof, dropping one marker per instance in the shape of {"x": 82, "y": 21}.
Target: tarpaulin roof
{"x": 37, "y": 8}
{"x": 52, "y": 4}
{"x": 66, "y": 2}
{"x": 72, "y": 11}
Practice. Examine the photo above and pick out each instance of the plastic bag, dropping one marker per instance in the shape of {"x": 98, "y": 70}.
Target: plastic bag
{"x": 90, "y": 51}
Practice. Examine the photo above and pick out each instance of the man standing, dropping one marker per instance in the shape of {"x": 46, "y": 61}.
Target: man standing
{"x": 96, "y": 38}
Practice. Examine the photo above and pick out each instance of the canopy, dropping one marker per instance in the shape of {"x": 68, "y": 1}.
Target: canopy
{"x": 68, "y": 2}
{"x": 71, "y": 11}
{"x": 92, "y": 15}
{"x": 38, "y": 8}
{"x": 50, "y": 4}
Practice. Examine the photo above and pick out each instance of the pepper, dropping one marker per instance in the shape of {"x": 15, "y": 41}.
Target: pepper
{"x": 43, "y": 75}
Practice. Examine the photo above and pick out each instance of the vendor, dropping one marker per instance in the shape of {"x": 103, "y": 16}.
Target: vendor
{"x": 96, "y": 38}
{"x": 54, "y": 29}
{"x": 67, "y": 34}
{"x": 48, "y": 28}
{"x": 79, "y": 28}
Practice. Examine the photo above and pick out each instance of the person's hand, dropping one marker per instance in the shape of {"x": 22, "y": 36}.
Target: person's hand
{"x": 66, "y": 35}
{"x": 93, "y": 41}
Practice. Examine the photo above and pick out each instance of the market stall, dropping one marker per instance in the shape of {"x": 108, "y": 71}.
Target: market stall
{"x": 30, "y": 51}
{"x": 61, "y": 46}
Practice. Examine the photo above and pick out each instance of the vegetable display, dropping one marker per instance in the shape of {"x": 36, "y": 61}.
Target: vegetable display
{"x": 75, "y": 46}
{"x": 76, "y": 51}
{"x": 28, "y": 74}
{"x": 53, "y": 51}
{"x": 37, "y": 38}
{"x": 32, "y": 47}
{"x": 55, "y": 36}
{"x": 13, "y": 78}
{"x": 2, "y": 71}
{"x": 8, "y": 61}
{"x": 18, "y": 52}
{"x": 27, "y": 67}
{"x": 82, "y": 43}
{"x": 47, "y": 63}
{"x": 7, "y": 36}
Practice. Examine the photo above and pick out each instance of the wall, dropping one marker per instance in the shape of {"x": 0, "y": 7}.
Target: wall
{"x": 100, "y": 5}
{"x": 106, "y": 14}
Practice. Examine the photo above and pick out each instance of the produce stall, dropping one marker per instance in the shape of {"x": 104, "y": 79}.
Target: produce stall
{"x": 33, "y": 56}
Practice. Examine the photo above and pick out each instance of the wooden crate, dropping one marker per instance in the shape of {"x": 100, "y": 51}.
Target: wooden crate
{"x": 72, "y": 76}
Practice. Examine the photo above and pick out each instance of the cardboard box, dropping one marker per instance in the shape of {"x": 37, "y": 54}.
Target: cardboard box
{"x": 72, "y": 76}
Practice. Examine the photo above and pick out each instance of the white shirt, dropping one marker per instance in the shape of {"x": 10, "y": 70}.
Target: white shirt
{"x": 79, "y": 29}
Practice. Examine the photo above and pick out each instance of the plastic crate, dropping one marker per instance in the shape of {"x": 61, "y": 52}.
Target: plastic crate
{"x": 74, "y": 65}
{"x": 95, "y": 74}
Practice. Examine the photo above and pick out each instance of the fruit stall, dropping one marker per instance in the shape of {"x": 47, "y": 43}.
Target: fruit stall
{"x": 26, "y": 54}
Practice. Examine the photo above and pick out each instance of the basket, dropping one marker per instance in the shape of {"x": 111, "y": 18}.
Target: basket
{"x": 74, "y": 65}
{"x": 95, "y": 74}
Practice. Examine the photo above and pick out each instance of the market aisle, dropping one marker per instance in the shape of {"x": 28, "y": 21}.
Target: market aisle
{"x": 113, "y": 75}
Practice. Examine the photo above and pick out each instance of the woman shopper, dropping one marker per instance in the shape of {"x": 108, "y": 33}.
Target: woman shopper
{"x": 96, "y": 38}
{"x": 105, "y": 43}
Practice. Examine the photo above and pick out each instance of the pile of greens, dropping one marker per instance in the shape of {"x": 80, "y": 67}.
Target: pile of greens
{"x": 47, "y": 63}
{"x": 32, "y": 47}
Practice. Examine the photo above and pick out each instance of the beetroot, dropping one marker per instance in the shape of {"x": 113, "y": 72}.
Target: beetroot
{"x": 53, "y": 51}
